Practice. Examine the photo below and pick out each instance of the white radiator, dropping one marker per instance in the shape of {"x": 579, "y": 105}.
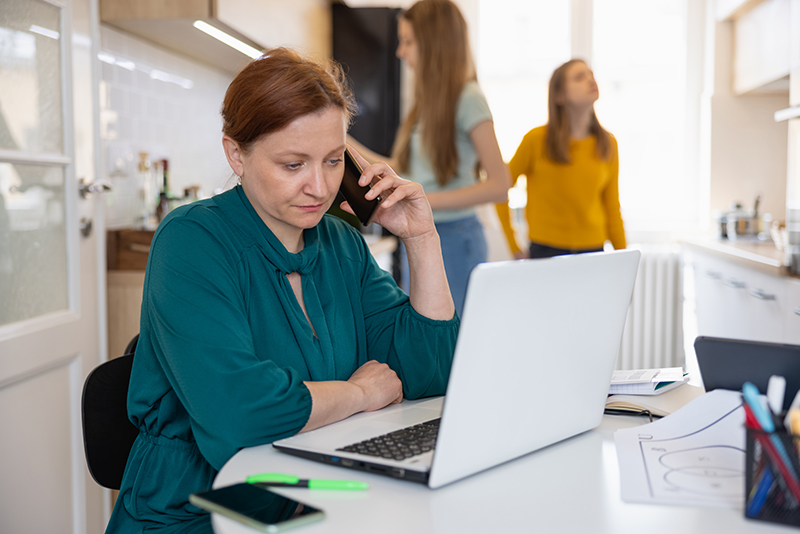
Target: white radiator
{"x": 653, "y": 334}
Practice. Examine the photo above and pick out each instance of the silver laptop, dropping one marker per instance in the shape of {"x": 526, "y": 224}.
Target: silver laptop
{"x": 532, "y": 366}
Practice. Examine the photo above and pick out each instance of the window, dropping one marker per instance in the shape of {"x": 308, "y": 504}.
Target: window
{"x": 639, "y": 59}
{"x": 638, "y": 51}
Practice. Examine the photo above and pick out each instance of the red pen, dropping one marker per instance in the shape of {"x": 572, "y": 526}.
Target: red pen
{"x": 767, "y": 445}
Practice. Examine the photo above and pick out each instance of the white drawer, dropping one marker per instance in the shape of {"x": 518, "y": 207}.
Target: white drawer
{"x": 736, "y": 302}
{"x": 792, "y": 313}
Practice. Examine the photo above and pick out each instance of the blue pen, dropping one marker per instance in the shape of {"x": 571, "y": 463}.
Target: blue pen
{"x": 761, "y": 491}
{"x": 751, "y": 396}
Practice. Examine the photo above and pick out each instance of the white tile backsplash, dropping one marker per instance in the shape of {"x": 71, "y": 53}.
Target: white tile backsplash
{"x": 141, "y": 112}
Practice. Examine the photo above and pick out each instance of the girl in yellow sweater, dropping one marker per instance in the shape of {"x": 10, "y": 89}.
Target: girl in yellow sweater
{"x": 572, "y": 169}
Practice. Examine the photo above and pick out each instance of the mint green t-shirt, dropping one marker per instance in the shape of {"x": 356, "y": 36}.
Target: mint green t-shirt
{"x": 471, "y": 110}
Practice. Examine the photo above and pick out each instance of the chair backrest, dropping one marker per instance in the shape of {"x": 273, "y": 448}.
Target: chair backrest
{"x": 108, "y": 434}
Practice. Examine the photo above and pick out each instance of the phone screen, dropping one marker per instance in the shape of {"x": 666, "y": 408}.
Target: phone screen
{"x": 257, "y": 507}
{"x": 354, "y": 193}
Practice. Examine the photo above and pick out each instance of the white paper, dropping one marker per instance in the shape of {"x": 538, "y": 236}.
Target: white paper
{"x": 646, "y": 376}
{"x": 634, "y": 376}
{"x": 651, "y": 388}
{"x": 693, "y": 457}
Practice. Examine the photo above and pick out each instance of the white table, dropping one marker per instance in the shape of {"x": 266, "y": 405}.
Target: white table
{"x": 569, "y": 487}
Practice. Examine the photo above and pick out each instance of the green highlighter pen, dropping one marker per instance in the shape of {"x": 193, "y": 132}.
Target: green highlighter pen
{"x": 279, "y": 479}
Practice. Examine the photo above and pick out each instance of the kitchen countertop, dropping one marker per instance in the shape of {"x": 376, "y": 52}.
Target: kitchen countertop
{"x": 761, "y": 256}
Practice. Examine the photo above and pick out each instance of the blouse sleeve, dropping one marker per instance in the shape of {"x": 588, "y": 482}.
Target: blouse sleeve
{"x": 420, "y": 350}
{"x": 194, "y": 309}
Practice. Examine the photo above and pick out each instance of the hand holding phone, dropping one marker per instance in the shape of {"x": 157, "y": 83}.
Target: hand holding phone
{"x": 256, "y": 507}
{"x": 354, "y": 193}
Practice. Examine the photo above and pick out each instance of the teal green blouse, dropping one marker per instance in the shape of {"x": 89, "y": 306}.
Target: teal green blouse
{"x": 224, "y": 347}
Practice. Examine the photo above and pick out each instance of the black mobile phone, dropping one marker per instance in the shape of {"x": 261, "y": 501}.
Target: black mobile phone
{"x": 354, "y": 193}
{"x": 256, "y": 507}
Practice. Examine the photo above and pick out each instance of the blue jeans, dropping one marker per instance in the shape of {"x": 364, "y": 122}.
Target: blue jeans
{"x": 463, "y": 247}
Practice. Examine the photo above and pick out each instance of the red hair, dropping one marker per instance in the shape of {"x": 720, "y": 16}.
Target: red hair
{"x": 277, "y": 88}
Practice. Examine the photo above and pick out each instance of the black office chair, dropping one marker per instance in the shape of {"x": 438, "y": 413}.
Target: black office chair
{"x": 108, "y": 434}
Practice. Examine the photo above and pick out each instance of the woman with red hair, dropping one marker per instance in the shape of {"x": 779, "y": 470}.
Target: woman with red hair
{"x": 262, "y": 316}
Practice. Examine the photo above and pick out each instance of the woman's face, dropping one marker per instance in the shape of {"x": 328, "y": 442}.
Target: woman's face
{"x": 580, "y": 89}
{"x": 407, "y": 49}
{"x": 291, "y": 176}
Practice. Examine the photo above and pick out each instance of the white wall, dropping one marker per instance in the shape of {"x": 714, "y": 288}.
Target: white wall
{"x": 163, "y": 118}
{"x": 748, "y": 149}
{"x": 301, "y": 24}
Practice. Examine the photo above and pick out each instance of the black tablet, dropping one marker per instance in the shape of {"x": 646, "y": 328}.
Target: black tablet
{"x": 729, "y": 363}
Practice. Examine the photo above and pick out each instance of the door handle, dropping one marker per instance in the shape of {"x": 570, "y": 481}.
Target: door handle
{"x": 760, "y": 294}
{"x": 89, "y": 188}
{"x": 732, "y": 282}
{"x": 85, "y": 227}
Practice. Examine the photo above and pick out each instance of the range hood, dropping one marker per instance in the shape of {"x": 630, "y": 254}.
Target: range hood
{"x": 171, "y": 24}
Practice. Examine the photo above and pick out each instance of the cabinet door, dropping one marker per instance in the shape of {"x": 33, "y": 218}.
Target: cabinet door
{"x": 792, "y": 313}
{"x": 762, "y": 45}
{"x": 738, "y": 303}
{"x": 710, "y": 298}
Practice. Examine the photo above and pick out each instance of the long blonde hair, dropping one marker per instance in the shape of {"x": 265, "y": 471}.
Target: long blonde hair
{"x": 557, "y": 138}
{"x": 444, "y": 66}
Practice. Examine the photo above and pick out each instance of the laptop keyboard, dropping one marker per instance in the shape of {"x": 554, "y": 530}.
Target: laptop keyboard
{"x": 400, "y": 444}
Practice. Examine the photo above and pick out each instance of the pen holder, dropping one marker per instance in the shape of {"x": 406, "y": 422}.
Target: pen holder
{"x": 772, "y": 484}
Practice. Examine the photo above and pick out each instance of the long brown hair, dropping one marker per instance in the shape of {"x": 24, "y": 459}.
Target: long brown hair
{"x": 444, "y": 65}
{"x": 557, "y": 138}
{"x": 277, "y": 88}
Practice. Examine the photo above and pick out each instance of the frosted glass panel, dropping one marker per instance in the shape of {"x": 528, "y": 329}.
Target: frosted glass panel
{"x": 33, "y": 247}
{"x": 30, "y": 77}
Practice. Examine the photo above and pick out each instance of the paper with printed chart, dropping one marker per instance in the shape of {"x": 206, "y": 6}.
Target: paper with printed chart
{"x": 693, "y": 457}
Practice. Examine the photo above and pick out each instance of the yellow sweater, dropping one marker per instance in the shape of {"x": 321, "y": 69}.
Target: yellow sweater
{"x": 570, "y": 206}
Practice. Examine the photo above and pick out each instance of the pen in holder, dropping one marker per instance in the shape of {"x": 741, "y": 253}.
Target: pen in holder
{"x": 772, "y": 487}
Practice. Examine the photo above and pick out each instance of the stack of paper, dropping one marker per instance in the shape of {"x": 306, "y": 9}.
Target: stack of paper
{"x": 646, "y": 381}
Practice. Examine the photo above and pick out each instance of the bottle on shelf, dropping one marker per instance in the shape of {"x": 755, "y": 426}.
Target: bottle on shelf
{"x": 164, "y": 196}
{"x": 147, "y": 193}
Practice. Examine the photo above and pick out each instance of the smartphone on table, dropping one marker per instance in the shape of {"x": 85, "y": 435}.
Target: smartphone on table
{"x": 256, "y": 507}
{"x": 354, "y": 193}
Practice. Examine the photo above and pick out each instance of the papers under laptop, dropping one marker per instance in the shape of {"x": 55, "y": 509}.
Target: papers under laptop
{"x": 532, "y": 366}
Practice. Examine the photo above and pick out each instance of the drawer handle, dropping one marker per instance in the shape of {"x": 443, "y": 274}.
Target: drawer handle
{"x": 136, "y": 247}
{"x": 732, "y": 282}
{"x": 797, "y": 311}
{"x": 715, "y": 275}
{"x": 759, "y": 294}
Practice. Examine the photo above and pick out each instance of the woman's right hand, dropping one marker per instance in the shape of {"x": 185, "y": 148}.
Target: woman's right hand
{"x": 380, "y": 385}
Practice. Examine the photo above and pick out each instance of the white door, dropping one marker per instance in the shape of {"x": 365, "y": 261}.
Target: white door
{"x": 51, "y": 279}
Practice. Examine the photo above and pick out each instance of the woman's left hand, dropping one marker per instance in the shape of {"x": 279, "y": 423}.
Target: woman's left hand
{"x": 404, "y": 210}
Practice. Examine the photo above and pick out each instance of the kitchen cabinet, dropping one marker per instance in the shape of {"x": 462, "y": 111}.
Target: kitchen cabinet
{"x": 792, "y": 313}
{"x": 126, "y": 252}
{"x": 763, "y": 46}
{"x": 736, "y": 302}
